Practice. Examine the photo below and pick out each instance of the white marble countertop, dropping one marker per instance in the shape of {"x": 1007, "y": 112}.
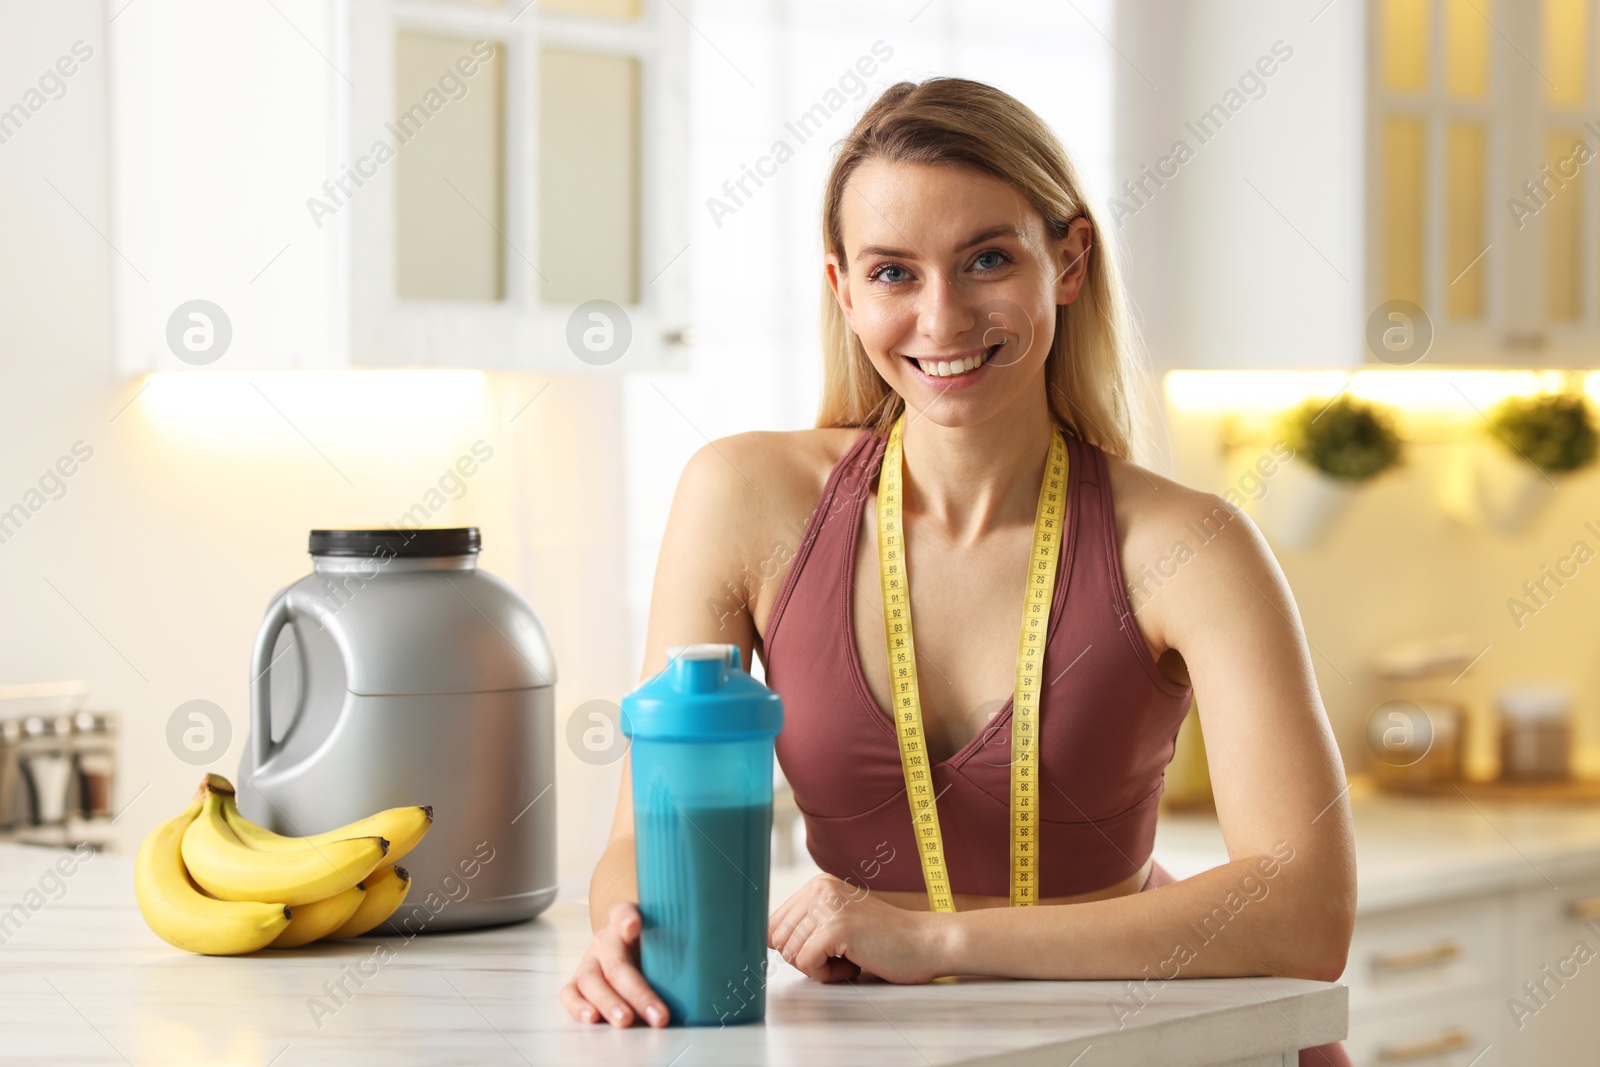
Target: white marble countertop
{"x": 1411, "y": 850}
{"x": 83, "y": 981}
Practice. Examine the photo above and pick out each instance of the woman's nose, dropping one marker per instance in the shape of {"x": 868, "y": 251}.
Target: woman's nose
{"x": 946, "y": 314}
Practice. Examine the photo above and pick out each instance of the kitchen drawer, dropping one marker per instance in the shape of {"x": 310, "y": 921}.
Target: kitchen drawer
{"x": 1410, "y": 954}
{"x": 1555, "y": 943}
{"x": 1448, "y": 1036}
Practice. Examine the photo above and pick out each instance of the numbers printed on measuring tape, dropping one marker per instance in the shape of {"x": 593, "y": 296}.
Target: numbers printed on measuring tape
{"x": 1025, "y": 703}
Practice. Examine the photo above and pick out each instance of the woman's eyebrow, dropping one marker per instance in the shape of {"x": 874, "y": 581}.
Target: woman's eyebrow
{"x": 1003, "y": 230}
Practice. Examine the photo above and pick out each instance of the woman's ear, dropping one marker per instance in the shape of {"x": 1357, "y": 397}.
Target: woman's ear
{"x": 839, "y": 282}
{"x": 1072, "y": 259}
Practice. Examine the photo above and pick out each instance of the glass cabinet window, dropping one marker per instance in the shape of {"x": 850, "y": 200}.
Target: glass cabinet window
{"x": 1403, "y": 35}
{"x": 615, "y": 9}
{"x": 1404, "y": 183}
{"x": 1432, "y": 148}
{"x": 1566, "y": 52}
{"x": 449, "y": 166}
{"x": 588, "y": 177}
{"x": 1466, "y": 47}
{"x": 1563, "y": 226}
{"x": 1465, "y": 225}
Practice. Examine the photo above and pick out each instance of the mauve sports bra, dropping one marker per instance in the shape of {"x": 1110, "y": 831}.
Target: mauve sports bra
{"x": 1107, "y": 724}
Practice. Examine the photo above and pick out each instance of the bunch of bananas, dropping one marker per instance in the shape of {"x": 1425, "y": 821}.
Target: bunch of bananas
{"x": 213, "y": 882}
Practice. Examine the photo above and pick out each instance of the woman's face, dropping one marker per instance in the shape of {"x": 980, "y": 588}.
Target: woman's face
{"x": 951, "y": 281}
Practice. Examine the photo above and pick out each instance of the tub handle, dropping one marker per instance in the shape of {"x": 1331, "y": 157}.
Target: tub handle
{"x": 261, "y": 661}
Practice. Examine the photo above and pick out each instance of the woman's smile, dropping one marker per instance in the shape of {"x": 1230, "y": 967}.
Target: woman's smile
{"x": 955, "y": 370}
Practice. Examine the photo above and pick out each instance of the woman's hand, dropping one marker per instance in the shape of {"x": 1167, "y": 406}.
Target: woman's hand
{"x": 608, "y": 983}
{"x": 831, "y": 930}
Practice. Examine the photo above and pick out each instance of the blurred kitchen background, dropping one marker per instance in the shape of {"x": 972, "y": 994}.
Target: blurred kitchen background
{"x": 395, "y": 215}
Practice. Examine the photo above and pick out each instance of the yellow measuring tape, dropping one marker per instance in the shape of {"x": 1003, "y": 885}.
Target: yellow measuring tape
{"x": 1047, "y": 529}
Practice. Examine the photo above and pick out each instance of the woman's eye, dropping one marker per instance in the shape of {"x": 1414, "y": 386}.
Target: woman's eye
{"x": 991, "y": 259}
{"x": 883, "y": 272}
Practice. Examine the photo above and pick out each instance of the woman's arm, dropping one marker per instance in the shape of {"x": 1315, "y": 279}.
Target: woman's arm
{"x": 702, "y": 558}
{"x": 1283, "y": 905}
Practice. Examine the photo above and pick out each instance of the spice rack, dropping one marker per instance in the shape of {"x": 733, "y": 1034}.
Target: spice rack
{"x": 57, "y": 766}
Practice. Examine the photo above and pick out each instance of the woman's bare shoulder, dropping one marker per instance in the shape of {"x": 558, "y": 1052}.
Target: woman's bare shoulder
{"x": 760, "y": 483}
{"x": 780, "y": 468}
{"x": 1165, "y": 530}
{"x": 750, "y": 499}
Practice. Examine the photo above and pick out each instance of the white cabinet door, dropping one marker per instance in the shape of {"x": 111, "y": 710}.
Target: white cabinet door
{"x": 1550, "y": 999}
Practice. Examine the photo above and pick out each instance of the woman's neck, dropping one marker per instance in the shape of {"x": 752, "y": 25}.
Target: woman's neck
{"x": 972, "y": 480}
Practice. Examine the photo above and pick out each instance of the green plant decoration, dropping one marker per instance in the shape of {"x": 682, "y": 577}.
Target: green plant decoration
{"x": 1554, "y": 430}
{"x": 1345, "y": 438}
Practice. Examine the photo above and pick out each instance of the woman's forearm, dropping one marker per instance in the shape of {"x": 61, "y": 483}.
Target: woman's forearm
{"x": 615, "y": 878}
{"x": 1277, "y": 914}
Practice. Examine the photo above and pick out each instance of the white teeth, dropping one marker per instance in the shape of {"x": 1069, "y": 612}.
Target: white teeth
{"x": 951, "y": 368}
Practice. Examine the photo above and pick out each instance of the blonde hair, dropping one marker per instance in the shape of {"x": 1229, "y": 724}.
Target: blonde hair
{"x": 1096, "y": 385}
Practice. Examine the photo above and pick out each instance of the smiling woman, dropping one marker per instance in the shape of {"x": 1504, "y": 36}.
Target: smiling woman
{"x": 972, "y": 452}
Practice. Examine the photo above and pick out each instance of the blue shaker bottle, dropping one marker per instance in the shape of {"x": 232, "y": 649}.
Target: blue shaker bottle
{"x": 702, "y": 739}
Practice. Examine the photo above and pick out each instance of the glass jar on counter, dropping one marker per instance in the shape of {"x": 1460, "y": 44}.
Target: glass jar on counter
{"x": 1416, "y": 743}
{"x": 10, "y": 773}
{"x": 45, "y": 763}
{"x": 1535, "y": 733}
{"x": 94, "y": 762}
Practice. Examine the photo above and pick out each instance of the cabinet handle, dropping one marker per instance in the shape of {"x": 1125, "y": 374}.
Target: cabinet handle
{"x": 1451, "y": 1040}
{"x": 1585, "y": 910}
{"x": 1415, "y": 959}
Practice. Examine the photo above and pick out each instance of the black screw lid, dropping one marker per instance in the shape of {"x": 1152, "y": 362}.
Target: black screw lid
{"x": 404, "y": 544}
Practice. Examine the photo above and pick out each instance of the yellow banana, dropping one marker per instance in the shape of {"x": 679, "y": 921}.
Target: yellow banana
{"x": 401, "y": 827}
{"x": 320, "y": 918}
{"x": 229, "y": 869}
{"x": 386, "y": 891}
{"x": 183, "y": 916}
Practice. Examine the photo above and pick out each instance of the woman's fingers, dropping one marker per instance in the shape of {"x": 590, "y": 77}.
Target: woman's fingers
{"x": 608, "y": 983}
{"x": 626, "y": 921}
{"x": 821, "y": 891}
{"x": 628, "y": 981}
{"x": 816, "y": 960}
{"x": 616, "y": 952}
{"x": 577, "y": 1007}
{"x": 781, "y": 923}
{"x": 629, "y": 984}
{"x": 803, "y": 925}
{"x": 594, "y": 987}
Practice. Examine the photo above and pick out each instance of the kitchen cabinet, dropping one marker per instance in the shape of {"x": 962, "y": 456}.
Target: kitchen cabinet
{"x": 1552, "y": 986}
{"x": 1481, "y": 188}
{"x": 1452, "y": 1035}
{"x": 1516, "y": 973}
{"x": 1458, "y": 906}
{"x": 325, "y": 183}
{"x": 1426, "y": 980}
